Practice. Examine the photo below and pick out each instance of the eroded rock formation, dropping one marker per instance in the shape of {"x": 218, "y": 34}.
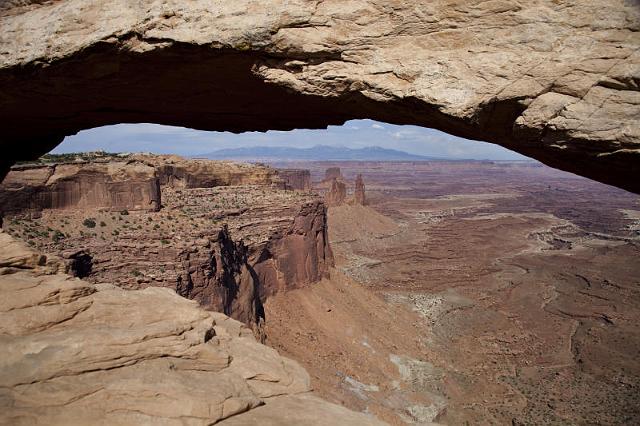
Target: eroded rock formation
{"x": 130, "y": 182}
{"x": 358, "y": 193}
{"x": 297, "y": 179}
{"x": 75, "y": 353}
{"x": 332, "y": 173}
{"x": 116, "y": 185}
{"x": 554, "y": 81}
{"x": 337, "y": 193}
{"x": 178, "y": 172}
{"x": 226, "y": 246}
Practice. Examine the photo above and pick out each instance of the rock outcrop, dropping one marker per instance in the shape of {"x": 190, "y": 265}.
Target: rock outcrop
{"x": 297, "y": 255}
{"x": 74, "y": 353}
{"x": 358, "y": 193}
{"x": 130, "y": 182}
{"x": 227, "y": 247}
{"x": 178, "y": 172}
{"x": 332, "y": 173}
{"x": 337, "y": 194}
{"x": 557, "y": 81}
{"x": 116, "y": 185}
{"x": 296, "y": 179}
{"x": 215, "y": 272}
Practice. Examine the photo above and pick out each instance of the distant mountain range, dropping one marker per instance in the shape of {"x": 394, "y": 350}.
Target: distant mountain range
{"x": 316, "y": 153}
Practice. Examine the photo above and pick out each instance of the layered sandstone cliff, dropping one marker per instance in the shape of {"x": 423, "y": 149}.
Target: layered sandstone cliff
{"x": 114, "y": 185}
{"x": 128, "y": 182}
{"x": 336, "y": 195}
{"x": 76, "y": 353}
{"x": 297, "y": 179}
{"x": 332, "y": 173}
{"x": 228, "y": 247}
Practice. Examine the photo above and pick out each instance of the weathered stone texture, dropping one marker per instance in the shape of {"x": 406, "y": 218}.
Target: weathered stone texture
{"x": 75, "y": 353}
{"x": 358, "y": 194}
{"x": 557, "y": 81}
{"x": 114, "y": 185}
{"x": 337, "y": 193}
{"x": 296, "y": 179}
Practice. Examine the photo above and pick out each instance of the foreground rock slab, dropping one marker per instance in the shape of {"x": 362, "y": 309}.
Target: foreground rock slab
{"x": 557, "y": 81}
{"x": 78, "y": 353}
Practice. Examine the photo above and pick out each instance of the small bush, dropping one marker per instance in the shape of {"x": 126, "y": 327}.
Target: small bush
{"x": 103, "y": 224}
{"x": 89, "y": 222}
{"x": 57, "y": 236}
{"x": 163, "y": 241}
{"x": 124, "y": 212}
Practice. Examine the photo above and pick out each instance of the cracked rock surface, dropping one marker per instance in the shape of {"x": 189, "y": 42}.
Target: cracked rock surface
{"x": 78, "y": 353}
{"x": 557, "y": 81}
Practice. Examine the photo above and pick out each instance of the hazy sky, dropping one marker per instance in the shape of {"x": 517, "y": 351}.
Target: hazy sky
{"x": 353, "y": 134}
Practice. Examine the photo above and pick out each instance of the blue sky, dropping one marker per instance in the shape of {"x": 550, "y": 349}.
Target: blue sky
{"x": 159, "y": 139}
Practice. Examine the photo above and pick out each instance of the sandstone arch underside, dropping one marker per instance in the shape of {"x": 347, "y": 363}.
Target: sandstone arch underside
{"x": 557, "y": 81}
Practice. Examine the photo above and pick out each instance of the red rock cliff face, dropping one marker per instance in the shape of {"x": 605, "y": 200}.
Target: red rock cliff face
{"x": 229, "y": 277}
{"x": 218, "y": 270}
{"x": 299, "y": 256}
{"x": 297, "y": 179}
{"x": 358, "y": 194}
{"x": 337, "y": 194}
{"x": 216, "y": 273}
{"x": 114, "y": 185}
{"x": 332, "y": 173}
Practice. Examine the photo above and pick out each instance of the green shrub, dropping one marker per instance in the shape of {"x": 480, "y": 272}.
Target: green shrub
{"x": 57, "y": 236}
{"x": 89, "y": 222}
{"x": 124, "y": 212}
{"x": 103, "y": 224}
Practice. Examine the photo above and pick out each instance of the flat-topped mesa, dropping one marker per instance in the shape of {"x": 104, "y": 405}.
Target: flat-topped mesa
{"x": 296, "y": 179}
{"x": 332, "y": 173}
{"x": 116, "y": 185}
{"x": 179, "y": 172}
{"x": 118, "y": 181}
{"x": 358, "y": 193}
{"x": 337, "y": 193}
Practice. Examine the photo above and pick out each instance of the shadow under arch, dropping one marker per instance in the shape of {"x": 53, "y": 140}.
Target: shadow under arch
{"x": 222, "y": 90}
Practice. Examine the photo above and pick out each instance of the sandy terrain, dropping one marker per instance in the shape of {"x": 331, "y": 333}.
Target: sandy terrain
{"x": 525, "y": 283}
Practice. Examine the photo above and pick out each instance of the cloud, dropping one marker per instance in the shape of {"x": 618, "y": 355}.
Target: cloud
{"x": 377, "y": 126}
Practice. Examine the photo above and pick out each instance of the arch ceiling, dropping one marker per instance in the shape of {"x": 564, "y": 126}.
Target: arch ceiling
{"x": 557, "y": 81}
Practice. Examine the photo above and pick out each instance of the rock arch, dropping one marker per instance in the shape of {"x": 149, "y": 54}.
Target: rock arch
{"x": 555, "y": 81}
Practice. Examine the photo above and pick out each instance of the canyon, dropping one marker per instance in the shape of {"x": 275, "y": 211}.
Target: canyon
{"x": 228, "y": 235}
{"x": 451, "y": 292}
{"x": 523, "y": 282}
{"x": 490, "y": 292}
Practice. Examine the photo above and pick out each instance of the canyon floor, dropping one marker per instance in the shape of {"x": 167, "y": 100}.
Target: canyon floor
{"x": 462, "y": 292}
{"x": 474, "y": 293}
